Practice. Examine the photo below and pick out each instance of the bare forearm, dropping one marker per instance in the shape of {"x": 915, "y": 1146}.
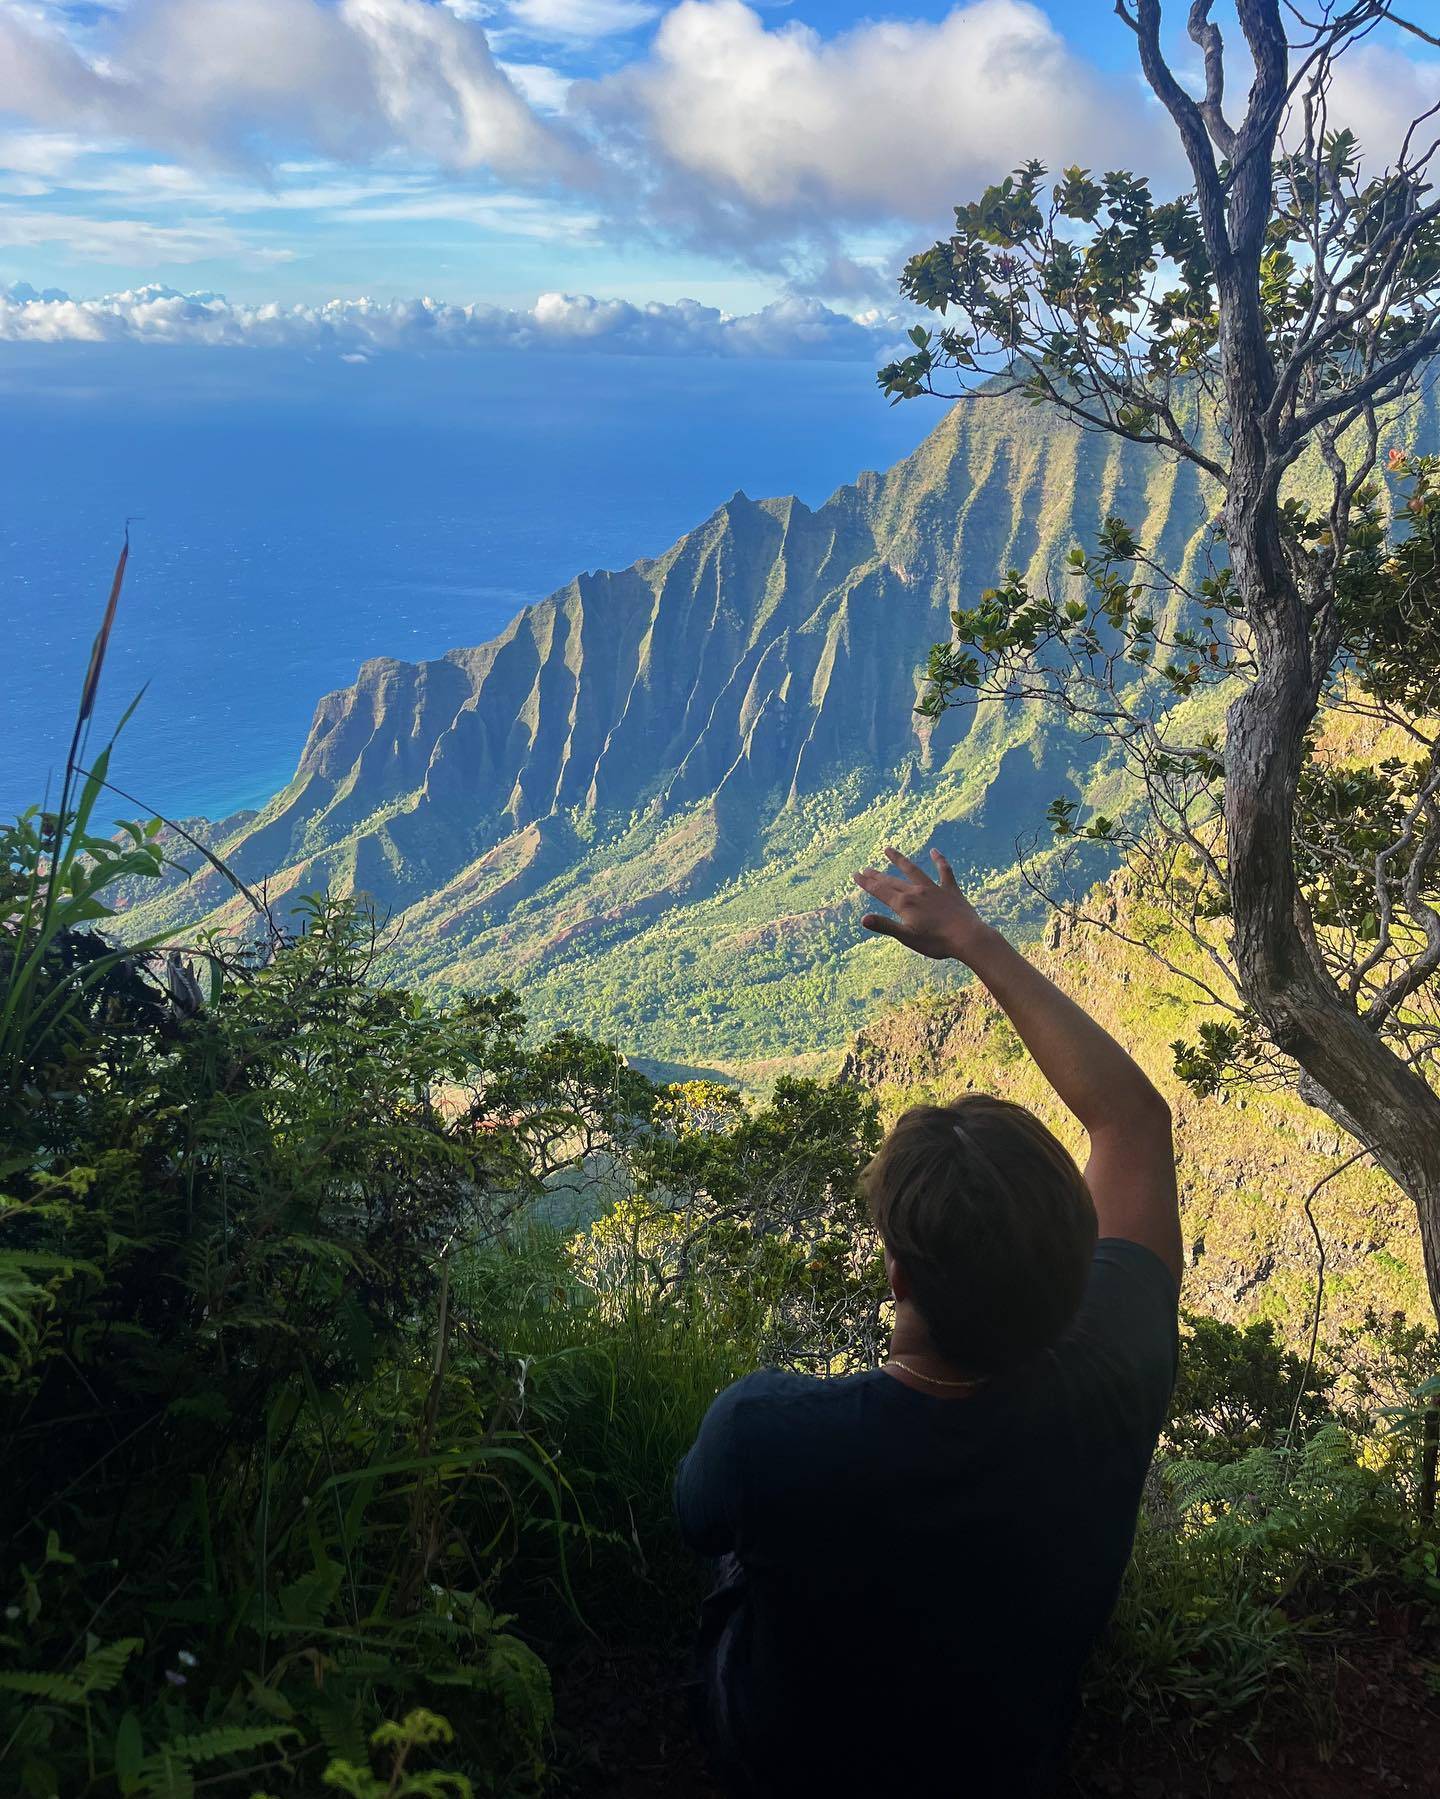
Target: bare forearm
{"x": 1131, "y": 1170}
{"x": 1100, "y": 1083}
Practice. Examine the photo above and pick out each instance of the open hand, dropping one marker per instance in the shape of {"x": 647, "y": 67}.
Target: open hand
{"x": 932, "y": 917}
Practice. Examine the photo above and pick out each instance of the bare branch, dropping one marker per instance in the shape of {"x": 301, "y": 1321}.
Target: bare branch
{"x": 1205, "y": 33}
{"x": 1189, "y": 121}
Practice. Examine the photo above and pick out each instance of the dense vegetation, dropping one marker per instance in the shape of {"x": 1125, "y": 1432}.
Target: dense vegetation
{"x": 350, "y": 1339}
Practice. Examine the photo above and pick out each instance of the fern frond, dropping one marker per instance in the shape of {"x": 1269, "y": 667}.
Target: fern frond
{"x": 165, "y": 1777}
{"x": 101, "y": 1670}
{"x": 59, "y": 1689}
{"x": 229, "y": 1739}
{"x": 22, "y": 1300}
{"x": 339, "y": 1728}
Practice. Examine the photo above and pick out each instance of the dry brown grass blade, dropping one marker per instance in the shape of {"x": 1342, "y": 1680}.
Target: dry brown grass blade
{"x": 102, "y": 636}
{"x": 82, "y": 715}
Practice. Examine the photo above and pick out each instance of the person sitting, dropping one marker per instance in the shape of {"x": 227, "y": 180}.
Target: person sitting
{"x": 916, "y": 1560}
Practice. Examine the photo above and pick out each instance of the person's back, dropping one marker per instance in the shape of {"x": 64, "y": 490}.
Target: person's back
{"x": 917, "y": 1560}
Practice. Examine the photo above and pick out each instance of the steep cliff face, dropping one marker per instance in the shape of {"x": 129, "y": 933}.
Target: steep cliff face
{"x": 644, "y": 764}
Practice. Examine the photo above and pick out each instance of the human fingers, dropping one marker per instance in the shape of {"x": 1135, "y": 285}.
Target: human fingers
{"x": 883, "y": 887}
{"x": 947, "y": 873}
{"x": 883, "y": 926}
{"x": 907, "y": 867}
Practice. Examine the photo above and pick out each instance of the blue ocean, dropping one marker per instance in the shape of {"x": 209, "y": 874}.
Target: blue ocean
{"x": 290, "y": 517}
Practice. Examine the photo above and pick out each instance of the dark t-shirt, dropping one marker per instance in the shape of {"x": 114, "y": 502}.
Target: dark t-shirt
{"x": 912, "y": 1583}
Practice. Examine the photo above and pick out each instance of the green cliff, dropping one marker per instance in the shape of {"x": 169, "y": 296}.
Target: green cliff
{"x": 641, "y": 803}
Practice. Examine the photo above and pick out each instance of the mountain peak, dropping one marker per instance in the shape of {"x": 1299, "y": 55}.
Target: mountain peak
{"x": 603, "y": 802}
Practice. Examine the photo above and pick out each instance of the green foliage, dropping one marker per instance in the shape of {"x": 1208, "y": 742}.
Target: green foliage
{"x": 289, "y": 1371}
{"x": 59, "y": 975}
{"x": 1363, "y": 857}
{"x": 1253, "y": 329}
{"x": 1205, "y": 1062}
{"x": 1060, "y": 287}
{"x": 1241, "y": 1568}
{"x": 315, "y": 1422}
{"x": 248, "y": 1427}
{"x": 764, "y": 1214}
{"x": 1014, "y": 271}
{"x": 397, "y": 1742}
{"x": 1239, "y": 1389}
{"x": 1104, "y": 632}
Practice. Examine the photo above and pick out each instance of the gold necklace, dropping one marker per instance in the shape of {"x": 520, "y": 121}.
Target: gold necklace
{"x": 934, "y": 1379}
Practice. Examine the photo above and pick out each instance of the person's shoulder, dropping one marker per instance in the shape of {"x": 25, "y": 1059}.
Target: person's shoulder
{"x": 771, "y": 1387}
{"x": 1120, "y": 1262}
{"x": 1124, "y": 1340}
{"x": 772, "y": 1399}
{"x": 1131, "y": 1300}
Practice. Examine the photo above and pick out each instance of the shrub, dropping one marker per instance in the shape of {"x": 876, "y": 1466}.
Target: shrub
{"x": 242, "y": 1442}
{"x": 349, "y": 1341}
{"x": 295, "y": 1381}
{"x": 1242, "y": 1568}
{"x": 1239, "y": 1389}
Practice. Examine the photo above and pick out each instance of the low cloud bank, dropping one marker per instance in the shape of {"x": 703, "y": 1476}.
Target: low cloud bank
{"x": 358, "y": 329}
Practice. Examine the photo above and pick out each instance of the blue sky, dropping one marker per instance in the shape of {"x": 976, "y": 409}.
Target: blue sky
{"x": 289, "y": 153}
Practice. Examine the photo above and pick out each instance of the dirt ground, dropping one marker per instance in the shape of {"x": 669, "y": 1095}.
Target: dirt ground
{"x": 623, "y": 1731}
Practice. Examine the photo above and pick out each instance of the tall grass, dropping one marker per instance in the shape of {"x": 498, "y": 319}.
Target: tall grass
{"x": 615, "y": 1386}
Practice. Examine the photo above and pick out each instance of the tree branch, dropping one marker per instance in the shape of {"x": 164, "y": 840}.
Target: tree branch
{"x": 1205, "y": 33}
{"x": 1189, "y": 122}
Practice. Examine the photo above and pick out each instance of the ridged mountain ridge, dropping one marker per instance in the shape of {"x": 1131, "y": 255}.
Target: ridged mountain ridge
{"x": 648, "y": 741}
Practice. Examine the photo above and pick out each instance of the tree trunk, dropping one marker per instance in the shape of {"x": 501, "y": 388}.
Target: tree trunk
{"x": 1348, "y": 1070}
{"x": 1350, "y": 1073}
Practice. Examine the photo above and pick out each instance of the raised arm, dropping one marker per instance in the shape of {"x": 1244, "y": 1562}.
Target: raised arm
{"x": 1131, "y": 1171}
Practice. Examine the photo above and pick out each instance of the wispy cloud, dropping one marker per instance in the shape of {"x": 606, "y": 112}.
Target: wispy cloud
{"x": 47, "y": 155}
{"x": 1377, "y": 91}
{"x": 363, "y": 327}
{"x": 580, "y": 18}
{"x": 133, "y": 241}
{"x": 546, "y": 89}
{"x": 508, "y": 215}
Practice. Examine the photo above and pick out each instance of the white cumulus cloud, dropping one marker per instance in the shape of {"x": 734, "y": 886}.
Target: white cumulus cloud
{"x": 357, "y": 329}
{"x": 731, "y": 129}
{"x": 230, "y": 79}
{"x": 758, "y": 133}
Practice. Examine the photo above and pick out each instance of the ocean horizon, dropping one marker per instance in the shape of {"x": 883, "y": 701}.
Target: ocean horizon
{"x": 292, "y": 516}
